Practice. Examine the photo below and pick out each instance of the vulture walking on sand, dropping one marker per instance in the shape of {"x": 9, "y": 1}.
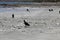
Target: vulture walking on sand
{"x": 26, "y": 23}
{"x": 28, "y": 10}
{"x": 12, "y": 15}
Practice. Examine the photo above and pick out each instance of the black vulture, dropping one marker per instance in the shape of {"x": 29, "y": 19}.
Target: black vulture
{"x": 26, "y": 23}
{"x": 12, "y": 15}
{"x": 59, "y": 12}
{"x": 27, "y": 9}
{"x": 50, "y": 9}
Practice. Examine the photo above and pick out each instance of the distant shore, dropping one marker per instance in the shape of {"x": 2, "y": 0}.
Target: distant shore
{"x": 33, "y": 4}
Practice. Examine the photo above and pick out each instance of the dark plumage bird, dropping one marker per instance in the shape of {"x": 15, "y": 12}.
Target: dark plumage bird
{"x": 12, "y": 15}
{"x": 59, "y": 12}
{"x": 26, "y": 23}
{"x": 50, "y": 9}
{"x": 27, "y": 9}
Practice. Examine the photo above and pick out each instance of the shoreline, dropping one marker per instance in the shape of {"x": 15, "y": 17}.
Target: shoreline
{"x": 33, "y": 4}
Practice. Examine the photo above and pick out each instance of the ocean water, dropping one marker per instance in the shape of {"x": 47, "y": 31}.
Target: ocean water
{"x": 15, "y": 2}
